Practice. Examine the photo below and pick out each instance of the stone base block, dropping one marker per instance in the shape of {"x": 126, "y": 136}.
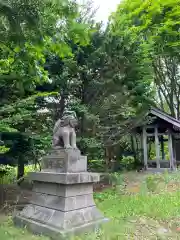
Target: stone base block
{"x": 55, "y": 223}
{"x": 53, "y": 232}
{"x": 64, "y": 178}
{"x": 62, "y": 203}
{"x": 62, "y": 190}
{"x": 61, "y": 219}
{"x": 64, "y": 160}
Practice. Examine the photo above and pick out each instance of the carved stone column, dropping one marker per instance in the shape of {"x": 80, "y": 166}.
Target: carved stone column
{"x": 62, "y": 201}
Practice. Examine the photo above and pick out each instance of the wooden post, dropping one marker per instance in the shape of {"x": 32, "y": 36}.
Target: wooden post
{"x": 162, "y": 147}
{"x": 157, "y": 148}
{"x": 174, "y": 150}
{"x": 145, "y": 147}
{"x": 170, "y": 149}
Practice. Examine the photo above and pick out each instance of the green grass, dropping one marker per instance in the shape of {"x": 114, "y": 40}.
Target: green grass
{"x": 156, "y": 206}
{"x": 143, "y": 215}
{"x": 8, "y": 232}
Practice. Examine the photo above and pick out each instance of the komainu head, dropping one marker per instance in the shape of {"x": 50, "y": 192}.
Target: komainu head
{"x": 69, "y": 118}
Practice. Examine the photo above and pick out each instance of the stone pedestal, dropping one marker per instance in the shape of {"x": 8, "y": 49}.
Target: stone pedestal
{"x": 62, "y": 200}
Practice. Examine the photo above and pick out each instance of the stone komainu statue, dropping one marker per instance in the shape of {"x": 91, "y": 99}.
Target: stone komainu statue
{"x": 64, "y": 134}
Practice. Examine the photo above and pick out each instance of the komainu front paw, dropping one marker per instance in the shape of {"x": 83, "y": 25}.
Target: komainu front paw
{"x": 67, "y": 146}
{"x": 74, "y": 147}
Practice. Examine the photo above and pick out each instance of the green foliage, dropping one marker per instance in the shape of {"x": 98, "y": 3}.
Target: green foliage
{"x": 40, "y": 19}
{"x": 30, "y": 31}
{"x": 154, "y": 27}
{"x": 5, "y": 169}
{"x": 3, "y": 149}
{"x": 116, "y": 179}
{"x": 128, "y": 162}
{"x": 64, "y": 60}
{"x": 77, "y": 78}
{"x": 92, "y": 146}
{"x": 129, "y": 83}
{"x": 94, "y": 73}
{"x": 152, "y": 182}
{"x": 8, "y": 173}
{"x": 96, "y": 165}
{"x": 148, "y": 18}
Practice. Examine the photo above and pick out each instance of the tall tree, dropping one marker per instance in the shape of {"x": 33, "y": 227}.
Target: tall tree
{"x": 23, "y": 54}
{"x": 106, "y": 85}
{"x": 75, "y": 79}
{"x": 154, "y": 26}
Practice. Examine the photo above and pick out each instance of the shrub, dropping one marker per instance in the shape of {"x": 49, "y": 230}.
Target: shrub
{"x": 8, "y": 173}
{"x": 116, "y": 178}
{"x": 96, "y": 165}
{"x": 153, "y": 181}
{"x": 127, "y": 162}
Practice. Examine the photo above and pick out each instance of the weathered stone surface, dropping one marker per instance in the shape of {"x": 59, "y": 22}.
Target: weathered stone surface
{"x": 64, "y": 160}
{"x": 65, "y": 153}
{"x": 59, "y": 219}
{"x": 62, "y": 203}
{"x": 62, "y": 190}
{"x": 64, "y": 178}
{"x": 56, "y": 233}
{"x": 64, "y": 134}
{"x": 62, "y": 198}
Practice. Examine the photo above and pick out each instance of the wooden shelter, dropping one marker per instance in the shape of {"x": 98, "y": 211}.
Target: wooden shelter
{"x": 160, "y": 141}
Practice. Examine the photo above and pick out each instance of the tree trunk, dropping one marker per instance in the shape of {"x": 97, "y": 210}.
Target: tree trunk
{"x": 59, "y": 108}
{"x": 108, "y": 158}
{"x": 62, "y": 104}
{"x": 20, "y": 170}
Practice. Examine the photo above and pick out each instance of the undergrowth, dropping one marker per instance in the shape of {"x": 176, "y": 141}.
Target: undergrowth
{"x": 8, "y": 174}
